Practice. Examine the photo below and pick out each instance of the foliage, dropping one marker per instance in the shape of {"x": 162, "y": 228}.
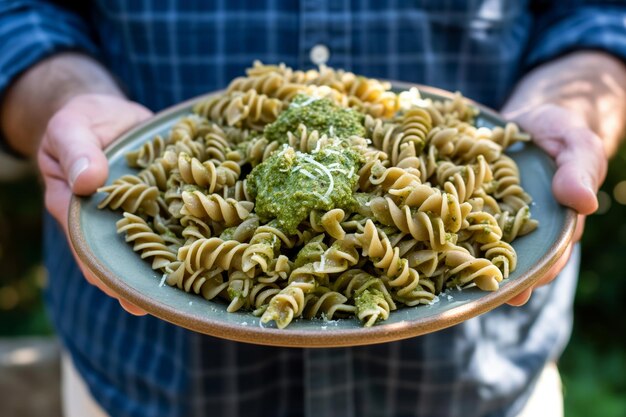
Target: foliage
{"x": 593, "y": 367}
{"x": 21, "y": 276}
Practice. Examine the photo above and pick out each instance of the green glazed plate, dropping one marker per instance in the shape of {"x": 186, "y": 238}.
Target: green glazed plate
{"x": 104, "y": 252}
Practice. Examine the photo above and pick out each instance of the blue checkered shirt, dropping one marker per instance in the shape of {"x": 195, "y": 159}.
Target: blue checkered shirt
{"x": 166, "y": 51}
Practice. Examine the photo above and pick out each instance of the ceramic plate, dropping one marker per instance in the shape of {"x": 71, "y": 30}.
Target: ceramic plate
{"x": 94, "y": 236}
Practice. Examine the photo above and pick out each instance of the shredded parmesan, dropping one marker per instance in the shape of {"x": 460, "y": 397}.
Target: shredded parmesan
{"x": 163, "y": 278}
{"x": 325, "y": 170}
{"x": 321, "y": 197}
{"x": 351, "y": 172}
{"x": 434, "y": 300}
{"x": 304, "y": 103}
{"x": 308, "y": 174}
{"x": 319, "y": 266}
{"x": 317, "y": 146}
{"x": 283, "y": 150}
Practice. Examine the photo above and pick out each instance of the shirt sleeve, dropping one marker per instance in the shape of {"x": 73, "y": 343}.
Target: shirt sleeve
{"x": 564, "y": 27}
{"x": 31, "y": 30}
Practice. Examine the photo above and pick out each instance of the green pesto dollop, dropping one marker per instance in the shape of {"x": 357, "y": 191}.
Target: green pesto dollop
{"x": 316, "y": 114}
{"x": 289, "y": 184}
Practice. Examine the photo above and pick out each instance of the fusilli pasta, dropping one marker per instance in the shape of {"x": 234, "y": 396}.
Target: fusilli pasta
{"x": 324, "y": 194}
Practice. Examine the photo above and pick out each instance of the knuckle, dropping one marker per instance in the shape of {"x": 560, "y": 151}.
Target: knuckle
{"x": 588, "y": 138}
{"x": 60, "y": 122}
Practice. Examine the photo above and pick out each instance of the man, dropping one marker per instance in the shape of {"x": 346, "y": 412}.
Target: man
{"x": 72, "y": 78}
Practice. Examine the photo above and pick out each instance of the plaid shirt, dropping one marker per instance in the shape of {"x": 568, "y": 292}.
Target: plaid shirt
{"x": 166, "y": 51}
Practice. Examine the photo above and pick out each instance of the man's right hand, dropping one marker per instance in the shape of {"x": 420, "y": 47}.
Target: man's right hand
{"x": 71, "y": 159}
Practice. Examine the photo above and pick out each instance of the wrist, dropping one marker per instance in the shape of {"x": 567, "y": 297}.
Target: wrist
{"x": 43, "y": 90}
{"x": 76, "y": 75}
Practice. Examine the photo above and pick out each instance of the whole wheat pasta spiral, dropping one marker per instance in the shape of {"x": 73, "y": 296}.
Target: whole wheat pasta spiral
{"x": 324, "y": 194}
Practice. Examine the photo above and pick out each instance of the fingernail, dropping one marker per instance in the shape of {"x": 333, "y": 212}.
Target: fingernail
{"x": 77, "y": 168}
{"x": 587, "y": 183}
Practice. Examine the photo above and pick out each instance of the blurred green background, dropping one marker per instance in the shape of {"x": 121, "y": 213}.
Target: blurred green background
{"x": 593, "y": 367}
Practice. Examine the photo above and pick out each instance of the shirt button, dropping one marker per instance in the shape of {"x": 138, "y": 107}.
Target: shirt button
{"x": 319, "y": 54}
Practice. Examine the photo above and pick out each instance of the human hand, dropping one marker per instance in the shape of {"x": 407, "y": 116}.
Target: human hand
{"x": 71, "y": 160}
{"x": 581, "y": 168}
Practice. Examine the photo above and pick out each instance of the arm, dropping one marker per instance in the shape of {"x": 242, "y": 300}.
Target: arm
{"x": 575, "y": 108}
{"x": 66, "y": 109}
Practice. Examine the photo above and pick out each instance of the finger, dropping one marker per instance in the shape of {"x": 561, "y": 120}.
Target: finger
{"x": 521, "y": 298}
{"x": 71, "y": 142}
{"x": 132, "y": 309}
{"x": 581, "y": 168}
{"x": 579, "y": 153}
{"x": 580, "y": 228}
{"x": 57, "y": 198}
{"x": 97, "y": 282}
{"x": 556, "y": 269}
{"x": 548, "y": 277}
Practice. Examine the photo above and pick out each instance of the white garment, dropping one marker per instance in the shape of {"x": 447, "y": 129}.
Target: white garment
{"x": 76, "y": 398}
{"x": 547, "y": 397}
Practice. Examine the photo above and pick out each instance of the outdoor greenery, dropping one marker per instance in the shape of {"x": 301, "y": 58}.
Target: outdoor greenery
{"x": 593, "y": 367}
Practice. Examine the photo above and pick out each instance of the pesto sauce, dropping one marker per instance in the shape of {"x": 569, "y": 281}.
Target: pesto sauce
{"x": 316, "y": 114}
{"x": 233, "y": 293}
{"x": 311, "y": 252}
{"x": 289, "y": 184}
{"x": 228, "y": 233}
{"x": 368, "y": 300}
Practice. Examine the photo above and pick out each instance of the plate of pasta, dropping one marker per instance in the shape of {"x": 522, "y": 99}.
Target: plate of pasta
{"x": 321, "y": 208}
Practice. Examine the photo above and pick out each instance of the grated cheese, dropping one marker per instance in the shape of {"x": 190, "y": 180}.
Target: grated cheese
{"x": 304, "y": 103}
{"x": 324, "y": 170}
{"x": 308, "y": 174}
{"x": 317, "y": 146}
{"x": 163, "y": 278}
{"x": 321, "y": 197}
{"x": 319, "y": 266}
{"x": 434, "y": 300}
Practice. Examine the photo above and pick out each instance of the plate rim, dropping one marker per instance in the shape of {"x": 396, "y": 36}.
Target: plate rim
{"x": 291, "y": 337}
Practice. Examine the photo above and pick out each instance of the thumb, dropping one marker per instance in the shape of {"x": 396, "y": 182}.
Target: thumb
{"x": 79, "y": 152}
{"x": 581, "y": 169}
{"x": 574, "y": 188}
